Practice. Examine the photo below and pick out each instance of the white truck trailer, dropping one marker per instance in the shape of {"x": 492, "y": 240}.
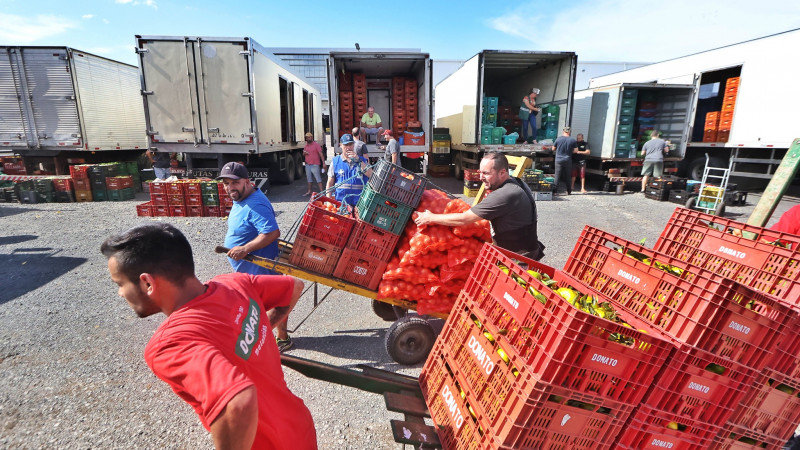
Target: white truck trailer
{"x": 379, "y": 70}
{"x": 762, "y": 120}
{"x": 226, "y": 99}
{"x": 508, "y": 76}
{"x": 59, "y": 103}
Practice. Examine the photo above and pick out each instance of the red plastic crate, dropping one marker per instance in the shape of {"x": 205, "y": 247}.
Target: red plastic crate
{"x": 471, "y": 175}
{"x": 193, "y": 200}
{"x": 82, "y": 184}
{"x": 221, "y": 190}
{"x": 397, "y": 184}
{"x": 767, "y": 409}
{"x": 314, "y": 255}
{"x": 698, "y": 307}
{"x": 120, "y": 182}
{"x": 734, "y": 437}
{"x": 787, "y": 358}
{"x": 161, "y": 211}
{"x": 225, "y": 200}
{"x": 685, "y": 387}
{"x": 648, "y": 429}
{"x": 174, "y": 187}
{"x": 371, "y": 240}
{"x": 325, "y": 226}
{"x": 555, "y": 341}
{"x": 63, "y": 184}
{"x": 144, "y": 209}
{"x": 193, "y": 187}
{"x": 358, "y": 268}
{"x": 707, "y": 242}
{"x": 194, "y": 210}
{"x": 158, "y": 188}
{"x": 159, "y": 199}
{"x": 79, "y": 171}
{"x": 176, "y": 200}
{"x": 211, "y": 211}
{"x": 224, "y": 211}
{"x": 177, "y": 210}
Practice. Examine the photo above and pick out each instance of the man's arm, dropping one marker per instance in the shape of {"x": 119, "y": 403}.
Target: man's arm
{"x": 279, "y": 313}
{"x": 450, "y": 220}
{"x": 259, "y": 242}
{"x": 235, "y": 427}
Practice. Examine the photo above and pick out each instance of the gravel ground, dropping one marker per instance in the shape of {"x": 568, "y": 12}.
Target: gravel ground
{"x": 71, "y": 367}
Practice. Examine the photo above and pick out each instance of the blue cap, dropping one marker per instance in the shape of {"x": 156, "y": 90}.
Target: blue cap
{"x": 347, "y": 139}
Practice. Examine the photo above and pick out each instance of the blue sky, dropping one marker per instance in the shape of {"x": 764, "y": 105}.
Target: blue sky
{"x": 597, "y": 30}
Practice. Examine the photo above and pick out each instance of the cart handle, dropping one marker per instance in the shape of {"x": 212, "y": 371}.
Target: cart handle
{"x": 225, "y": 250}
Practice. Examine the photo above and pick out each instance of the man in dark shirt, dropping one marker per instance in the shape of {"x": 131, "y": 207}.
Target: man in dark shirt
{"x": 510, "y": 209}
{"x": 579, "y": 162}
{"x": 564, "y": 146}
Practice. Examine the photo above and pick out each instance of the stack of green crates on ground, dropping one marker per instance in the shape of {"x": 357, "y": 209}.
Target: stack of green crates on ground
{"x": 439, "y": 158}
{"x": 132, "y": 168}
{"x": 45, "y": 192}
{"x": 97, "y": 176}
{"x": 536, "y": 180}
{"x": 627, "y": 110}
{"x": 210, "y": 190}
{"x": 489, "y": 119}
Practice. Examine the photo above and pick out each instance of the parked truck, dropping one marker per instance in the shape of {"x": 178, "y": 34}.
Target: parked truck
{"x": 734, "y": 102}
{"x": 226, "y": 99}
{"x": 506, "y": 76}
{"x": 396, "y": 84}
{"x": 61, "y": 105}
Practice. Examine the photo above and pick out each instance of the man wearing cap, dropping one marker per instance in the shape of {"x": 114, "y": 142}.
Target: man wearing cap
{"x": 565, "y": 146}
{"x": 314, "y": 162}
{"x": 252, "y": 229}
{"x": 346, "y": 172}
{"x": 371, "y": 124}
{"x": 392, "y": 148}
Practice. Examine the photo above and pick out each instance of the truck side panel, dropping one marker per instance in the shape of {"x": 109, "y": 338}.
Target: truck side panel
{"x": 111, "y": 106}
{"x": 12, "y": 123}
{"x": 226, "y": 117}
{"x": 456, "y": 104}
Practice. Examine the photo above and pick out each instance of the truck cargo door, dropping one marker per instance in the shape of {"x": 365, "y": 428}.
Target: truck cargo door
{"x": 299, "y": 109}
{"x": 52, "y": 95}
{"x": 13, "y": 104}
{"x": 225, "y": 92}
{"x": 169, "y": 87}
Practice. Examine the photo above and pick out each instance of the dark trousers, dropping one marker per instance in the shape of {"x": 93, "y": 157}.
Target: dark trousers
{"x": 563, "y": 173}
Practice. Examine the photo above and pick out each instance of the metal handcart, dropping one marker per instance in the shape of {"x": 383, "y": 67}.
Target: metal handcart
{"x": 711, "y": 197}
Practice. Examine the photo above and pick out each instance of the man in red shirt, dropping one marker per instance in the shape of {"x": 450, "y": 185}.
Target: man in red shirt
{"x": 315, "y": 162}
{"x": 215, "y": 348}
{"x": 789, "y": 221}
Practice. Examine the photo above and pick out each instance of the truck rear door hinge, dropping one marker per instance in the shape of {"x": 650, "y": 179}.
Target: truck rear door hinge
{"x": 151, "y": 133}
{"x": 141, "y": 50}
{"x": 147, "y": 92}
{"x": 247, "y": 94}
{"x": 187, "y": 129}
{"x": 213, "y": 130}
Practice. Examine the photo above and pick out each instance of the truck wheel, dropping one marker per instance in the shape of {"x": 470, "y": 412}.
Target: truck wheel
{"x": 691, "y": 203}
{"x": 298, "y": 163}
{"x": 409, "y": 340}
{"x": 288, "y": 175}
{"x": 458, "y": 166}
{"x": 720, "y": 210}
{"x": 696, "y": 166}
{"x": 386, "y": 311}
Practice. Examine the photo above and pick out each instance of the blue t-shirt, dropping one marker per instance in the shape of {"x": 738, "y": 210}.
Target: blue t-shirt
{"x": 349, "y": 183}
{"x": 249, "y": 218}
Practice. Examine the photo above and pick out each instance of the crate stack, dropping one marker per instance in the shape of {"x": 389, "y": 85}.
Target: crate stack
{"x": 541, "y": 188}
{"x": 489, "y": 120}
{"x": 679, "y": 192}
{"x": 658, "y": 189}
{"x": 472, "y": 182}
{"x": 711, "y": 126}
{"x": 97, "y": 176}
{"x": 726, "y": 335}
{"x": 625, "y": 139}
{"x": 322, "y": 236}
{"x": 439, "y": 158}
{"x": 359, "y": 97}
{"x": 645, "y": 120}
{"x": 120, "y": 188}
{"x": 80, "y": 179}
{"x": 13, "y": 165}
{"x": 399, "y": 116}
{"x": 131, "y": 168}
{"x": 766, "y": 261}
{"x": 186, "y": 198}
{"x": 517, "y": 366}
{"x": 412, "y": 100}
{"x": 728, "y": 106}
{"x": 25, "y": 191}
{"x": 64, "y": 189}
{"x": 549, "y": 121}
{"x": 346, "y": 112}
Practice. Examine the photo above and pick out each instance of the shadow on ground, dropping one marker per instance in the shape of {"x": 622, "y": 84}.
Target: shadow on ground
{"x": 25, "y": 270}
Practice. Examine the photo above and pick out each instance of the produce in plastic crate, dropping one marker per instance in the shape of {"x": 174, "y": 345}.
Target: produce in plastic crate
{"x": 734, "y": 437}
{"x": 692, "y": 305}
{"x": 397, "y": 183}
{"x": 373, "y": 241}
{"x": 323, "y": 222}
{"x": 771, "y": 405}
{"x": 651, "y": 429}
{"x": 382, "y": 211}
{"x": 314, "y": 255}
{"x": 360, "y": 269}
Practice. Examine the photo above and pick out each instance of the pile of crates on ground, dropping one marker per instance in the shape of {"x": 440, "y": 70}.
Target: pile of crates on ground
{"x": 541, "y": 185}
{"x": 332, "y": 241}
{"x": 680, "y": 190}
{"x": 186, "y": 198}
{"x": 718, "y": 123}
{"x": 472, "y": 182}
{"x": 693, "y": 345}
{"x": 439, "y": 158}
{"x": 116, "y": 181}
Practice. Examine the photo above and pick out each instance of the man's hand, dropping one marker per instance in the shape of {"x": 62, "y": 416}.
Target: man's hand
{"x": 237, "y": 253}
{"x": 424, "y": 218}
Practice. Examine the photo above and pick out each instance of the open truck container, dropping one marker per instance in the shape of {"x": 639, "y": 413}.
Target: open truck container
{"x": 379, "y": 69}
{"x": 509, "y": 76}
{"x": 226, "y": 99}
{"x": 59, "y": 103}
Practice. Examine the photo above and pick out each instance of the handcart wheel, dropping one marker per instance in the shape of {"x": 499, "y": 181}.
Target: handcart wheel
{"x": 385, "y": 311}
{"x": 410, "y": 340}
{"x": 691, "y": 203}
{"x": 720, "y": 210}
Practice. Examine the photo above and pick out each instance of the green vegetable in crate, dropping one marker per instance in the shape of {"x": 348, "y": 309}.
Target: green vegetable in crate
{"x": 785, "y": 389}
{"x": 716, "y": 368}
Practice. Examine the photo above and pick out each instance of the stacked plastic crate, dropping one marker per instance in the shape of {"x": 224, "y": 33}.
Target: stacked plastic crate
{"x": 726, "y": 332}
{"x": 766, "y": 261}
{"x": 323, "y": 233}
{"x": 186, "y": 198}
{"x": 625, "y": 139}
{"x": 359, "y": 97}
{"x": 728, "y": 105}
{"x": 658, "y": 189}
{"x": 711, "y": 126}
{"x": 472, "y": 182}
{"x": 399, "y": 117}
{"x": 517, "y": 366}
{"x": 97, "y": 176}
{"x": 80, "y": 179}
{"x": 489, "y": 119}
{"x": 412, "y": 102}
{"x": 439, "y": 158}
{"x": 120, "y": 188}
{"x": 64, "y": 189}
{"x": 549, "y": 121}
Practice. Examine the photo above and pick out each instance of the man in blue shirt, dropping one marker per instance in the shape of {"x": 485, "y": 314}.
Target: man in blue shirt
{"x": 252, "y": 229}
{"x": 344, "y": 171}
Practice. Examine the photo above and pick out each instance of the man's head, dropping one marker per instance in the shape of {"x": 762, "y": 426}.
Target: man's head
{"x": 579, "y": 137}
{"x": 654, "y": 134}
{"x": 356, "y": 132}
{"x": 567, "y": 131}
{"x": 142, "y": 258}
{"x": 387, "y": 134}
{"x": 309, "y": 137}
{"x": 494, "y": 170}
{"x": 534, "y": 92}
{"x": 370, "y": 111}
{"x": 347, "y": 144}
{"x": 235, "y": 178}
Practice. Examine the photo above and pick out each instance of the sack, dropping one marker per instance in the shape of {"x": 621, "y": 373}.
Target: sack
{"x": 524, "y": 113}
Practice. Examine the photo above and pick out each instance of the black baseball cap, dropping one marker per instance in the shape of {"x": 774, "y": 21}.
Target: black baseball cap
{"x": 233, "y": 170}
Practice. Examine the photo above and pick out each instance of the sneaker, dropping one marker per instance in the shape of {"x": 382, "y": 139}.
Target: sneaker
{"x": 284, "y": 344}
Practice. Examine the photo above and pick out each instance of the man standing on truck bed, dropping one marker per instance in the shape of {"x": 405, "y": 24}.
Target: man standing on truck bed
{"x": 654, "y": 151}
{"x": 371, "y": 124}
{"x": 510, "y": 209}
{"x": 252, "y": 228}
{"x": 213, "y": 349}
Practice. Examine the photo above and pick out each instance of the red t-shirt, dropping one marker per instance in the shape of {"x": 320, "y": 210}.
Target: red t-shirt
{"x": 313, "y": 153}
{"x": 221, "y": 343}
{"x": 789, "y": 221}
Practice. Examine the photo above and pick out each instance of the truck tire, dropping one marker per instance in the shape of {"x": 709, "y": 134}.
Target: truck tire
{"x": 299, "y": 167}
{"x": 287, "y": 176}
{"x": 410, "y": 340}
{"x": 691, "y": 203}
{"x": 387, "y": 312}
{"x": 695, "y": 168}
{"x": 458, "y": 166}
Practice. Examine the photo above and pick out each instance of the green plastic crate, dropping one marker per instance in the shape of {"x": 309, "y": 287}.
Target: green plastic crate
{"x": 99, "y": 195}
{"x": 209, "y": 187}
{"x": 210, "y": 199}
{"x": 117, "y": 195}
{"x": 630, "y": 93}
{"x": 382, "y": 211}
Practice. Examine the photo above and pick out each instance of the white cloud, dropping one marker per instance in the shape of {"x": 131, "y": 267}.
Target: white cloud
{"x": 87, "y": 16}
{"x": 150, "y": 3}
{"x": 627, "y": 30}
{"x": 105, "y": 21}
{"x": 27, "y": 30}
